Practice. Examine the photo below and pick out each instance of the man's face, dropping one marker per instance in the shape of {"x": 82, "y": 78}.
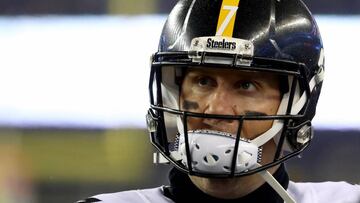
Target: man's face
{"x": 230, "y": 92}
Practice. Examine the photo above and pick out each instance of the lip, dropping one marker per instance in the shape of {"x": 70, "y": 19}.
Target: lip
{"x": 221, "y": 125}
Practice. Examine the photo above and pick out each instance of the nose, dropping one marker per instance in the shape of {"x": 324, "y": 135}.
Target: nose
{"x": 221, "y": 102}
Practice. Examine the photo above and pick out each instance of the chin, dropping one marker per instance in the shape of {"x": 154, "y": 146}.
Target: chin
{"x": 221, "y": 188}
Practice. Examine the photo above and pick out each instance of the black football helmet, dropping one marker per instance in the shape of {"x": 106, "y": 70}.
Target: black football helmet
{"x": 274, "y": 36}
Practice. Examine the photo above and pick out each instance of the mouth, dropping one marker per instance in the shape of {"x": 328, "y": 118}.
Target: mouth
{"x": 221, "y": 126}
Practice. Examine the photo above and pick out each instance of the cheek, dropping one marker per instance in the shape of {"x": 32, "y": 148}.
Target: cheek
{"x": 194, "y": 123}
{"x": 268, "y": 104}
{"x": 192, "y": 102}
{"x": 252, "y": 129}
{"x": 273, "y": 102}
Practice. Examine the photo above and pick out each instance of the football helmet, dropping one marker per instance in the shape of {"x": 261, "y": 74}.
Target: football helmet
{"x": 278, "y": 37}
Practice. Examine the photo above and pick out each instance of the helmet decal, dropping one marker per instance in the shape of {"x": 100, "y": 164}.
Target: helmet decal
{"x": 226, "y": 21}
{"x": 184, "y": 27}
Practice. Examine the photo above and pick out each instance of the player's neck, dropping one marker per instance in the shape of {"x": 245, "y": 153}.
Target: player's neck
{"x": 230, "y": 188}
{"x": 182, "y": 189}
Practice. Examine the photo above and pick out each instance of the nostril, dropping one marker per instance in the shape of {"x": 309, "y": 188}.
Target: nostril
{"x": 228, "y": 151}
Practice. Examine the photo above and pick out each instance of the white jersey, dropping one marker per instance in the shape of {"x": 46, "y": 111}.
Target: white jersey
{"x": 334, "y": 192}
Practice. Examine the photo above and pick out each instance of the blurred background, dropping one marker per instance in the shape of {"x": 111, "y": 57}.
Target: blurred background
{"x": 73, "y": 98}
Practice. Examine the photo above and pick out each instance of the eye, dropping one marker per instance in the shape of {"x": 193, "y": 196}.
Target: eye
{"x": 205, "y": 81}
{"x": 245, "y": 85}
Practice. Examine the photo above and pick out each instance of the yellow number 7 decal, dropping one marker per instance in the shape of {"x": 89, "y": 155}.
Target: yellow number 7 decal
{"x": 226, "y": 21}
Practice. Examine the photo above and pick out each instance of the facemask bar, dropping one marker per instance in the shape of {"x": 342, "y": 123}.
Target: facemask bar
{"x": 286, "y": 121}
{"x": 236, "y": 149}
{"x": 156, "y": 118}
{"x": 184, "y": 58}
{"x": 186, "y": 115}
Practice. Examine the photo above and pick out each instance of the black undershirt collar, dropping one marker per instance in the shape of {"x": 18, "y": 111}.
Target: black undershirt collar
{"x": 182, "y": 190}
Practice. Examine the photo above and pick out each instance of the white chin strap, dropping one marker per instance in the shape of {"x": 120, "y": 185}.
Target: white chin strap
{"x": 276, "y": 186}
